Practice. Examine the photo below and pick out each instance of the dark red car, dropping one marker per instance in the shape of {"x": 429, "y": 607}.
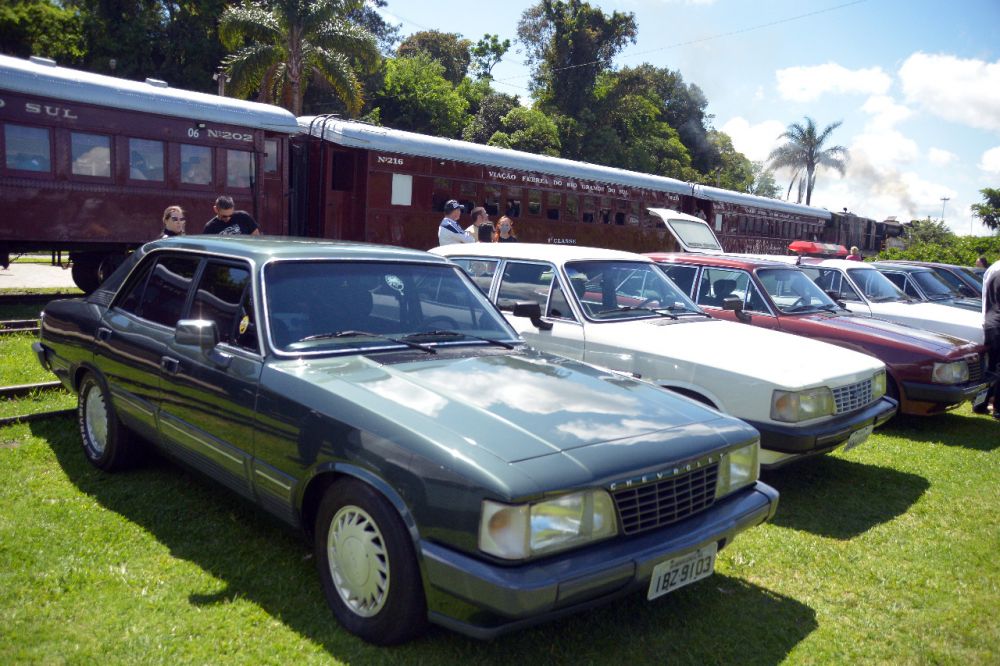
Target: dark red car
{"x": 928, "y": 372}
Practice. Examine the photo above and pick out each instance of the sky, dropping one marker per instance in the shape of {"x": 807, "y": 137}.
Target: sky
{"x": 915, "y": 83}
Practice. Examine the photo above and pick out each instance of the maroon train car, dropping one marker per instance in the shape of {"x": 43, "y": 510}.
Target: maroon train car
{"x": 89, "y": 162}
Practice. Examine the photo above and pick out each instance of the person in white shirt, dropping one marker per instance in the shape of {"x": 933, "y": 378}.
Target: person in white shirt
{"x": 450, "y": 231}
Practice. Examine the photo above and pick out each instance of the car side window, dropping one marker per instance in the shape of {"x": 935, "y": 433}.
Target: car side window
{"x": 161, "y": 297}
{"x": 910, "y": 289}
{"x": 480, "y": 270}
{"x": 755, "y": 300}
{"x": 558, "y": 303}
{"x": 717, "y": 284}
{"x": 524, "y": 282}
{"x": 831, "y": 281}
{"x": 683, "y": 276}
{"x": 220, "y": 298}
{"x": 897, "y": 279}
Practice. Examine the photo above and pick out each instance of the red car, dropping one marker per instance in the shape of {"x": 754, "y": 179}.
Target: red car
{"x": 928, "y": 372}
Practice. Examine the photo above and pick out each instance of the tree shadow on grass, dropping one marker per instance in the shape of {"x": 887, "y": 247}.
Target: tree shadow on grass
{"x": 717, "y": 620}
{"x": 839, "y": 498}
{"x": 977, "y": 432}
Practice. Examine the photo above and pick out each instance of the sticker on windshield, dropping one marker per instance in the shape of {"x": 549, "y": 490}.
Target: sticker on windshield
{"x": 394, "y": 283}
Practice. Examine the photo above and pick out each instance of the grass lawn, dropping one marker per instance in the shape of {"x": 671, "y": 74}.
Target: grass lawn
{"x": 19, "y": 364}
{"x": 885, "y": 554}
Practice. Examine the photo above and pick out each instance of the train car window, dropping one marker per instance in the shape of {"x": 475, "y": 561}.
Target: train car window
{"x": 91, "y": 154}
{"x": 620, "y": 218}
{"x": 467, "y": 190}
{"x": 342, "y": 178}
{"x": 605, "y": 210}
{"x": 402, "y": 190}
{"x": 588, "y": 209}
{"x": 553, "y": 202}
{"x": 239, "y": 168}
{"x": 572, "y": 208}
{"x": 27, "y": 148}
{"x": 196, "y": 165}
{"x": 270, "y": 156}
{"x": 491, "y": 200}
{"x": 145, "y": 159}
{"x": 441, "y": 194}
{"x": 513, "y": 202}
{"x": 534, "y": 202}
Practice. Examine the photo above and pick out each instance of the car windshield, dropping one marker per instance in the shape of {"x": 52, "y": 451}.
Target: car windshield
{"x": 793, "y": 292}
{"x": 616, "y": 290}
{"x": 933, "y": 286}
{"x": 694, "y": 234}
{"x": 324, "y": 306}
{"x": 875, "y": 286}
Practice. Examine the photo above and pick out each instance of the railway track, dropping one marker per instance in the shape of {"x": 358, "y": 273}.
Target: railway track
{"x": 19, "y": 326}
{"x": 22, "y": 390}
{"x": 26, "y": 299}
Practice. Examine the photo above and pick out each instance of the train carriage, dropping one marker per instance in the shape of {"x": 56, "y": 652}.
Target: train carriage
{"x": 91, "y": 161}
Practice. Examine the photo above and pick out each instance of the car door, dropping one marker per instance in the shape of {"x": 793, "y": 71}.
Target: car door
{"x": 725, "y": 282}
{"x": 209, "y": 395}
{"x": 540, "y": 282}
{"x": 134, "y": 334}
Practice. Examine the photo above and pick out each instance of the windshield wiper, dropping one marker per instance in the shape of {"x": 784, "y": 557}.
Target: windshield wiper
{"x": 456, "y": 334}
{"x": 631, "y": 308}
{"x": 366, "y": 334}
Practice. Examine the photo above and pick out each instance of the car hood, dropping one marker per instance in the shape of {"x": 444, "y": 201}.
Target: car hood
{"x": 836, "y": 325}
{"x": 758, "y": 354}
{"x": 943, "y": 318}
{"x": 516, "y": 406}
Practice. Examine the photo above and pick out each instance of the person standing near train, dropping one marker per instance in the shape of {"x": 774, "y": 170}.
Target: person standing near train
{"x": 174, "y": 222}
{"x": 991, "y": 329}
{"x": 449, "y": 231}
{"x": 230, "y": 222}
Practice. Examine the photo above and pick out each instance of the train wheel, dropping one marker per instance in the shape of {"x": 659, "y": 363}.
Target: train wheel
{"x": 86, "y": 274}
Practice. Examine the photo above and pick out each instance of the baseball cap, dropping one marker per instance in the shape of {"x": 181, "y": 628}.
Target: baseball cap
{"x": 451, "y": 205}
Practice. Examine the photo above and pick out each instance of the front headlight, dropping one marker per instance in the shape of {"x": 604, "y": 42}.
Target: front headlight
{"x": 950, "y": 373}
{"x": 738, "y": 468}
{"x": 795, "y": 406}
{"x": 520, "y": 531}
{"x": 878, "y": 385}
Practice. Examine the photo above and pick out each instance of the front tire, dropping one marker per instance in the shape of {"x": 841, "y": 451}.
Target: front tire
{"x": 107, "y": 444}
{"x": 367, "y": 565}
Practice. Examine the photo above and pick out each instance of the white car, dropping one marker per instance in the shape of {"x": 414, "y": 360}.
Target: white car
{"x": 618, "y": 310}
{"x": 866, "y": 291}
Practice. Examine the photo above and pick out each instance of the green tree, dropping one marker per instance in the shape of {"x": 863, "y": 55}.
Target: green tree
{"x": 282, "y": 47}
{"x": 447, "y": 48}
{"x": 386, "y": 34}
{"x": 42, "y": 28}
{"x": 988, "y": 211}
{"x": 929, "y": 231}
{"x": 568, "y": 44}
{"x": 486, "y": 53}
{"x": 486, "y": 122}
{"x": 763, "y": 184}
{"x": 735, "y": 171}
{"x": 528, "y": 130}
{"x": 417, "y": 97}
{"x": 804, "y": 153}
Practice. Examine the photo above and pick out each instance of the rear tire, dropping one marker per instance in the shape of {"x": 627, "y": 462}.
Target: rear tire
{"x": 107, "y": 444}
{"x": 367, "y": 565}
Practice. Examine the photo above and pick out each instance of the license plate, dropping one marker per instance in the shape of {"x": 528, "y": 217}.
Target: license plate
{"x": 858, "y": 437}
{"x": 980, "y": 398}
{"x": 682, "y": 570}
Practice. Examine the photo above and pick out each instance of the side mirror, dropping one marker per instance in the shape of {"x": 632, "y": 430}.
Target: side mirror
{"x": 735, "y": 303}
{"x": 533, "y": 311}
{"x": 198, "y": 332}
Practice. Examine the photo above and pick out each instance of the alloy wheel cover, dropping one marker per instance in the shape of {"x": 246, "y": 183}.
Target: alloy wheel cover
{"x": 358, "y": 561}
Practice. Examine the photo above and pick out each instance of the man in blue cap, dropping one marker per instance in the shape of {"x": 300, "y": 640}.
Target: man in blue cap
{"x": 450, "y": 231}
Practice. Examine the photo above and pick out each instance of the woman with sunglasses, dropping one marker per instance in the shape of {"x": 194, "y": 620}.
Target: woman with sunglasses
{"x": 173, "y": 222}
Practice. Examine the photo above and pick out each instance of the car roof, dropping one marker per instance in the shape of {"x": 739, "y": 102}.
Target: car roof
{"x": 720, "y": 260}
{"x": 929, "y": 264}
{"x": 836, "y": 263}
{"x": 905, "y": 268}
{"x": 265, "y": 248}
{"x": 537, "y": 252}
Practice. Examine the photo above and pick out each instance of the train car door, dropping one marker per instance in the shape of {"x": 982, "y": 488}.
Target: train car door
{"x": 343, "y": 192}
{"x": 273, "y": 185}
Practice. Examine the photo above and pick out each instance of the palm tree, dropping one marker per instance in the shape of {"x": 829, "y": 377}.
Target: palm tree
{"x": 804, "y": 152}
{"x": 279, "y": 47}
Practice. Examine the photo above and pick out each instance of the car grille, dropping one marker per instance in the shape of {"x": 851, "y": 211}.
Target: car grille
{"x": 853, "y": 396}
{"x": 975, "y": 369}
{"x": 656, "y": 504}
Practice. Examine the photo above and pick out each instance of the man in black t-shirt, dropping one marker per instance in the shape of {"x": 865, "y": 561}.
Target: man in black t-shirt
{"x": 229, "y": 222}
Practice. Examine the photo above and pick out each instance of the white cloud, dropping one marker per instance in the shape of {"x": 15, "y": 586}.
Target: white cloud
{"x": 885, "y": 113}
{"x": 805, "y": 84}
{"x": 962, "y": 91}
{"x": 754, "y": 141}
{"x": 941, "y": 157}
{"x": 990, "y": 161}
{"x": 885, "y": 149}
